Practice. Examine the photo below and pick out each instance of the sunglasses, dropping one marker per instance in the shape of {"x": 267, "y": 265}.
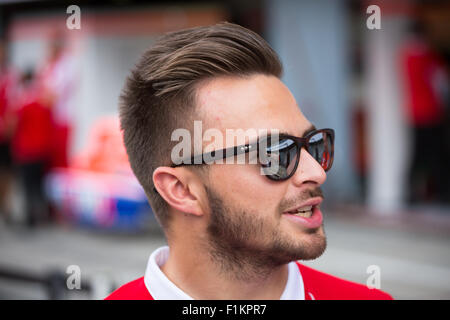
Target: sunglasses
{"x": 284, "y": 151}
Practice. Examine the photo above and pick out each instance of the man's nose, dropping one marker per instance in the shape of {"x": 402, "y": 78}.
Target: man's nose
{"x": 309, "y": 171}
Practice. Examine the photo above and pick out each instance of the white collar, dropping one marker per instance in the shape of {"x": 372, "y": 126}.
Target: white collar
{"x": 161, "y": 288}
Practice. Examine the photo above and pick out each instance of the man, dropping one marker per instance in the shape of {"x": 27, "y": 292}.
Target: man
{"x": 57, "y": 79}
{"x": 8, "y": 80}
{"x": 234, "y": 231}
{"x": 425, "y": 82}
{"x": 30, "y": 147}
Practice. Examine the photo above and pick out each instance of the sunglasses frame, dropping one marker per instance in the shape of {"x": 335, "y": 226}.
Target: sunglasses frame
{"x": 300, "y": 142}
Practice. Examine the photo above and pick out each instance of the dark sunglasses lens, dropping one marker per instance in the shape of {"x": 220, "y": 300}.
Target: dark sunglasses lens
{"x": 285, "y": 152}
{"x": 321, "y": 148}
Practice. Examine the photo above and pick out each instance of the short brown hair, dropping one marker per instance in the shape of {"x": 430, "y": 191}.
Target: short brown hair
{"x": 159, "y": 94}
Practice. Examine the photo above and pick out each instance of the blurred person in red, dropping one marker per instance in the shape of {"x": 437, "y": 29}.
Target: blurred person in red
{"x": 425, "y": 80}
{"x": 31, "y": 146}
{"x": 7, "y": 86}
{"x": 57, "y": 82}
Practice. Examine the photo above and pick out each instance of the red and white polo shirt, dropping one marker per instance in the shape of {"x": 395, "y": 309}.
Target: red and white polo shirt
{"x": 303, "y": 283}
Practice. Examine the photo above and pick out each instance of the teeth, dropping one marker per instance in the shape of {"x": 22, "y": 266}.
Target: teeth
{"x": 304, "y": 214}
{"x": 304, "y": 209}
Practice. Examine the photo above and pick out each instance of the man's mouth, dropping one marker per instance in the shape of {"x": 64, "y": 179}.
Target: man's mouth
{"x": 307, "y": 214}
{"x": 305, "y": 211}
{"x": 306, "y": 208}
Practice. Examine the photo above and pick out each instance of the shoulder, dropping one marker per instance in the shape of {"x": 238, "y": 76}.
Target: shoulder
{"x": 322, "y": 286}
{"x": 134, "y": 290}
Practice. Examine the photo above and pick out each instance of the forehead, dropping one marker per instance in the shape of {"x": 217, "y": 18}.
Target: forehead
{"x": 254, "y": 102}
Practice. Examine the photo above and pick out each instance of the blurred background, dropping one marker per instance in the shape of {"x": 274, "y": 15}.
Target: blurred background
{"x": 71, "y": 212}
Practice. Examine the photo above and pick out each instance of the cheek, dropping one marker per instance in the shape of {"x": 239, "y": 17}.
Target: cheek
{"x": 246, "y": 188}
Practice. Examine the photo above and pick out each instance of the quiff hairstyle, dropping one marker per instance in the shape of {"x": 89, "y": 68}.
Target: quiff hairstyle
{"x": 159, "y": 95}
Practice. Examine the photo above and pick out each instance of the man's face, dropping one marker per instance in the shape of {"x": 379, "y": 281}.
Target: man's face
{"x": 247, "y": 210}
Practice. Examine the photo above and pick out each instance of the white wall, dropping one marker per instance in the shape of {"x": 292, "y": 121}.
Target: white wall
{"x": 388, "y": 136}
{"x": 105, "y": 64}
{"x": 311, "y": 39}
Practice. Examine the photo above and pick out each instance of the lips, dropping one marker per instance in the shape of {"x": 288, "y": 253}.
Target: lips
{"x": 307, "y": 214}
{"x": 305, "y": 206}
{"x": 305, "y": 211}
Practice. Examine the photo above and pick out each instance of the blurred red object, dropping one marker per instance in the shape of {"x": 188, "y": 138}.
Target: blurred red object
{"x": 8, "y": 80}
{"x": 105, "y": 151}
{"x": 424, "y": 74}
{"x": 33, "y": 134}
{"x": 98, "y": 189}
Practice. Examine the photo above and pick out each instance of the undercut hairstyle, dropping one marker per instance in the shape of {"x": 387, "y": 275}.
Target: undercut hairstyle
{"x": 159, "y": 95}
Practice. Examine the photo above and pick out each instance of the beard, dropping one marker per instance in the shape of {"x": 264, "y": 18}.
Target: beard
{"x": 246, "y": 245}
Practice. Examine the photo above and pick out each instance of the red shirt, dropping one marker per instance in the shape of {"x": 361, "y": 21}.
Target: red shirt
{"x": 424, "y": 74}
{"x": 33, "y": 135}
{"x": 318, "y": 286}
{"x": 7, "y": 86}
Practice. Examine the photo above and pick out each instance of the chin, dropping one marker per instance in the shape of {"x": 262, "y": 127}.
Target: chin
{"x": 313, "y": 252}
{"x": 308, "y": 246}
{"x": 312, "y": 244}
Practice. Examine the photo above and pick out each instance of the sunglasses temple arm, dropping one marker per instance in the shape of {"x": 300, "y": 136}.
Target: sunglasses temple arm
{"x": 221, "y": 154}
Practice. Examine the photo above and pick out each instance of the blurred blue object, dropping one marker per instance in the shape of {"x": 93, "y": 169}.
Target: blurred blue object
{"x": 97, "y": 199}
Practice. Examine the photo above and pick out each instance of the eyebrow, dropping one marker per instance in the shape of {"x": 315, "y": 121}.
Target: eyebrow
{"x": 310, "y": 129}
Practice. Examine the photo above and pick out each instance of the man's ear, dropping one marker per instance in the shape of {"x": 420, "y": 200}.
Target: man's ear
{"x": 173, "y": 185}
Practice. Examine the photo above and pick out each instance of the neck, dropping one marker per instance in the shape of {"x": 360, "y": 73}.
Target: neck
{"x": 208, "y": 274}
